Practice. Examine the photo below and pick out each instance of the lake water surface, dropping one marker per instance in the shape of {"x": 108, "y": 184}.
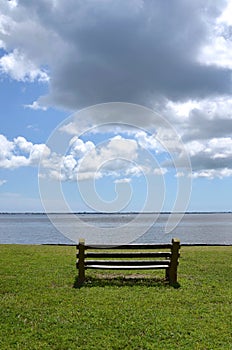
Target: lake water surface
{"x": 212, "y": 228}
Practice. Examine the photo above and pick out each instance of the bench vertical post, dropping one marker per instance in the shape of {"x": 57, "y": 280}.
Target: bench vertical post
{"x": 81, "y": 262}
{"x": 172, "y": 273}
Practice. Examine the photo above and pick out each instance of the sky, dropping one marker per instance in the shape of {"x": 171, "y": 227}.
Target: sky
{"x": 115, "y": 105}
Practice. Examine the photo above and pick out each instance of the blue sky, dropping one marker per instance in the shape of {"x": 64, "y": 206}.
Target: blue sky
{"x": 168, "y": 78}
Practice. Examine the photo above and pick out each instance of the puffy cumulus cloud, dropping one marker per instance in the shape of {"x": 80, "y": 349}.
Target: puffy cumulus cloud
{"x": 213, "y": 173}
{"x": 148, "y": 141}
{"x": 119, "y": 158}
{"x": 99, "y": 51}
{"x": 20, "y": 153}
{"x": 213, "y": 154}
{"x": 114, "y": 159}
{"x": 6, "y": 147}
{"x": 210, "y": 119}
{"x": 205, "y": 127}
{"x": 209, "y": 158}
{"x": 120, "y": 147}
{"x": 218, "y": 49}
{"x": 204, "y": 118}
{"x": 24, "y": 145}
{"x": 18, "y": 67}
{"x": 219, "y": 52}
{"x": 225, "y": 17}
{"x": 84, "y": 160}
{"x": 79, "y": 147}
{"x": 37, "y": 151}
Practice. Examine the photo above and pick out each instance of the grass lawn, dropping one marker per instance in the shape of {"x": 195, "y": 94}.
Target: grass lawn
{"x": 40, "y": 308}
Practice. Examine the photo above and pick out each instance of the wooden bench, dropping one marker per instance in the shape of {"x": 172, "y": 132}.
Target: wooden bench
{"x": 145, "y": 257}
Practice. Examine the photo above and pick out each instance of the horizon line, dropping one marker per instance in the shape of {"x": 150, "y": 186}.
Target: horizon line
{"x": 118, "y": 213}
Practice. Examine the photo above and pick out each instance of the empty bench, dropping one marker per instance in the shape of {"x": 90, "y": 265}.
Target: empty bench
{"x": 129, "y": 257}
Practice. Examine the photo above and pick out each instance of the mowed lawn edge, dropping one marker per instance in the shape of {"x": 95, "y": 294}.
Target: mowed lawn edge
{"x": 41, "y": 309}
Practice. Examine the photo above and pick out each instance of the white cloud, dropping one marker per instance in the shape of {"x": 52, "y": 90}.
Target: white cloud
{"x": 113, "y": 159}
{"x": 122, "y": 181}
{"x": 119, "y": 157}
{"x": 20, "y": 153}
{"x": 79, "y": 147}
{"x": 194, "y": 147}
{"x": 18, "y": 67}
{"x": 181, "y": 110}
{"x": 218, "y": 53}
{"x": 23, "y": 144}
{"x": 148, "y": 141}
{"x": 225, "y": 17}
{"x": 37, "y": 151}
{"x": 212, "y": 173}
{"x": 36, "y": 106}
{"x": 120, "y": 147}
{"x": 205, "y": 127}
{"x": 6, "y": 147}
{"x": 13, "y": 3}
{"x": 85, "y": 160}
{"x": 218, "y": 50}
{"x": 137, "y": 170}
{"x": 220, "y": 148}
{"x": 2, "y": 182}
{"x": 179, "y": 174}
{"x": 206, "y": 119}
{"x": 211, "y": 158}
{"x": 160, "y": 171}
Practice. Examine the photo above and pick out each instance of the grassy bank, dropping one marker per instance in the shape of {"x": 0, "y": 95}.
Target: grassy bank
{"x": 40, "y": 308}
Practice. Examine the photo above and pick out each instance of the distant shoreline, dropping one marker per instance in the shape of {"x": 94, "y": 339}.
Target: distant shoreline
{"x": 182, "y": 244}
{"x": 115, "y": 213}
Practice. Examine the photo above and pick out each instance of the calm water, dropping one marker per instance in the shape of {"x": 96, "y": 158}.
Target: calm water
{"x": 37, "y": 228}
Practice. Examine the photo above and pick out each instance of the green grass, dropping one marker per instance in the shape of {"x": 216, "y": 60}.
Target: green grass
{"x": 40, "y": 308}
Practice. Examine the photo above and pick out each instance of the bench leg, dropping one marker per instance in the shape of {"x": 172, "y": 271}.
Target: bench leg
{"x": 81, "y": 263}
{"x": 172, "y": 273}
{"x": 81, "y": 279}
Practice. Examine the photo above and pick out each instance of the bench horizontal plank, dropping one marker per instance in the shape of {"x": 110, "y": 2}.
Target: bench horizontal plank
{"x": 127, "y": 255}
{"x": 127, "y": 262}
{"x": 131, "y": 246}
{"x": 129, "y": 267}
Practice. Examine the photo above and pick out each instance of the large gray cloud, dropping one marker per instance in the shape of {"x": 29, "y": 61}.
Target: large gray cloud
{"x": 134, "y": 51}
